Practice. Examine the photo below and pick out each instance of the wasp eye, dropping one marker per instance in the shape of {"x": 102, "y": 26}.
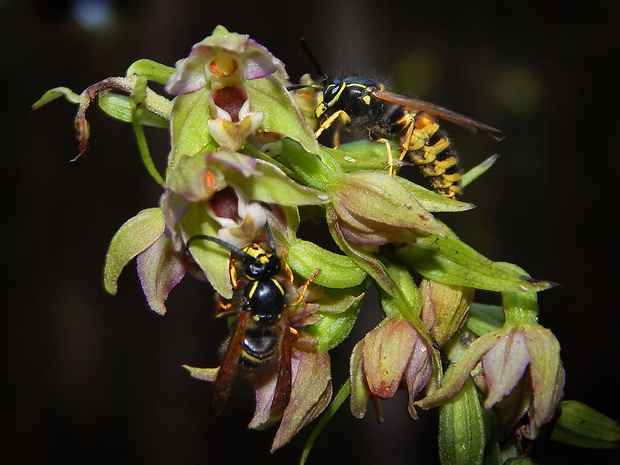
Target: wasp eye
{"x": 331, "y": 91}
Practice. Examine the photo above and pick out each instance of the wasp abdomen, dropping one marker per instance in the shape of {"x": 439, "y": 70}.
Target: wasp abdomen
{"x": 431, "y": 150}
{"x": 259, "y": 347}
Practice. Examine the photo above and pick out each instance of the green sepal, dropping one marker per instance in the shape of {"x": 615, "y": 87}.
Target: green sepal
{"x": 449, "y": 260}
{"x": 336, "y": 324}
{"x": 432, "y": 201}
{"x": 582, "y": 426}
{"x": 119, "y": 107}
{"x": 337, "y": 271}
{"x": 212, "y": 258}
{"x": 275, "y": 187}
{"x": 318, "y": 172}
{"x": 133, "y": 237}
{"x": 188, "y": 125}
{"x": 282, "y": 116}
{"x": 53, "y": 94}
{"x": 152, "y": 70}
{"x": 462, "y": 433}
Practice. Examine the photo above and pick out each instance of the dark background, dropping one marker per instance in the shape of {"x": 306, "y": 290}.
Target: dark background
{"x": 90, "y": 378}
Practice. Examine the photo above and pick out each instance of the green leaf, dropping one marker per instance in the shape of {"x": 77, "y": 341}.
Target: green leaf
{"x": 281, "y": 114}
{"x": 582, "y": 426}
{"x": 478, "y": 170}
{"x": 153, "y": 71}
{"x": 449, "y": 260}
{"x": 53, "y": 94}
{"x": 483, "y": 318}
{"x": 133, "y": 237}
{"x": 327, "y": 415}
{"x": 337, "y": 271}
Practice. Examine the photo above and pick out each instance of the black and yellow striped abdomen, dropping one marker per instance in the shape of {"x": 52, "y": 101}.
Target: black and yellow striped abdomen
{"x": 431, "y": 150}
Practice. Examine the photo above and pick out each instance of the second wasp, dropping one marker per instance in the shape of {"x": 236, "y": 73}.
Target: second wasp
{"x": 356, "y": 103}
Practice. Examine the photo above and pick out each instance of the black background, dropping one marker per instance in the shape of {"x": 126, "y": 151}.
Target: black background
{"x": 90, "y": 378}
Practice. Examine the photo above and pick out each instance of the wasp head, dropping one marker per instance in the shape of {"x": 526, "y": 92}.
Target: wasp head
{"x": 259, "y": 264}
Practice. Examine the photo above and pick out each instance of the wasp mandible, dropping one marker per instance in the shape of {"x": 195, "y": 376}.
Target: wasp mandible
{"x": 261, "y": 334}
{"x": 358, "y": 103}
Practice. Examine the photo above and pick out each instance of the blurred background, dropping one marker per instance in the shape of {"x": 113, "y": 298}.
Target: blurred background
{"x": 90, "y": 378}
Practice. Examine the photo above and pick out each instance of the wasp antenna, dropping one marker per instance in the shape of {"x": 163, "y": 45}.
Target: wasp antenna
{"x": 302, "y": 86}
{"x": 225, "y": 244}
{"x": 272, "y": 242}
{"x": 310, "y": 55}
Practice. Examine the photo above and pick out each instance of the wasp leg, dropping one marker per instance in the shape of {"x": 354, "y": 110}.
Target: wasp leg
{"x": 340, "y": 114}
{"x": 304, "y": 288}
{"x": 407, "y": 121}
{"x": 390, "y": 158}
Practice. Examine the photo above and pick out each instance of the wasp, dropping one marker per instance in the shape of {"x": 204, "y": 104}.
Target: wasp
{"x": 261, "y": 334}
{"x": 358, "y": 103}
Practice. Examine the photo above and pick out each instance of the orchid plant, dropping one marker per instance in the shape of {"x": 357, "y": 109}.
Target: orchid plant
{"x": 243, "y": 153}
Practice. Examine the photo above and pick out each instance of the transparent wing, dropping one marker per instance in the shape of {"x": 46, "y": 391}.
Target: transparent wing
{"x": 439, "y": 112}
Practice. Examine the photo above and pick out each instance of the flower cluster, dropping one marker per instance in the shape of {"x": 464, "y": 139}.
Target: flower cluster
{"x": 244, "y": 165}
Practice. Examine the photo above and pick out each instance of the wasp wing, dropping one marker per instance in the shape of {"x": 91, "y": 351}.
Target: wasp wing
{"x": 282, "y": 392}
{"x": 438, "y": 111}
{"x": 226, "y": 375}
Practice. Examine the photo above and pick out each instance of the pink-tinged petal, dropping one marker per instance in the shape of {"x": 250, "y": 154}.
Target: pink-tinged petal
{"x": 547, "y": 373}
{"x": 459, "y": 372}
{"x": 310, "y": 394}
{"x": 190, "y": 75}
{"x": 504, "y": 365}
{"x": 159, "y": 269}
{"x": 444, "y": 308}
{"x": 386, "y": 352}
{"x": 229, "y": 160}
{"x": 381, "y": 198}
{"x": 264, "y": 382}
{"x": 417, "y": 374}
{"x": 362, "y": 257}
{"x": 259, "y": 63}
{"x": 359, "y": 390}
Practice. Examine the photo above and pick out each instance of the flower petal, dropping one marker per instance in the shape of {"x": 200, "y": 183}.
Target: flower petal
{"x": 387, "y": 350}
{"x": 547, "y": 374}
{"x": 133, "y": 237}
{"x": 310, "y": 394}
{"x": 418, "y": 373}
{"x": 160, "y": 269}
{"x": 504, "y": 365}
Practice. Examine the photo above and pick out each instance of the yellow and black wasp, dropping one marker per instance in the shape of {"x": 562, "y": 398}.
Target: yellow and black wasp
{"x": 358, "y": 103}
{"x": 261, "y": 334}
